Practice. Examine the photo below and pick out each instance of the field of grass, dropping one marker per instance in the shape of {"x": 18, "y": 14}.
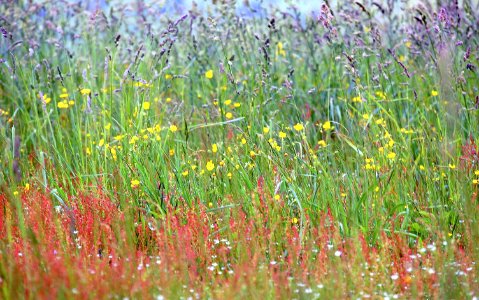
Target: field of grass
{"x": 151, "y": 156}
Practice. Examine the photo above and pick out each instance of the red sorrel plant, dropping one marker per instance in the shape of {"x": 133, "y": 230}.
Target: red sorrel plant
{"x": 470, "y": 154}
{"x": 95, "y": 250}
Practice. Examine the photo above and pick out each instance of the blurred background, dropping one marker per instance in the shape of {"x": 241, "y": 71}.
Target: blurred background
{"x": 242, "y": 7}
{"x": 181, "y": 6}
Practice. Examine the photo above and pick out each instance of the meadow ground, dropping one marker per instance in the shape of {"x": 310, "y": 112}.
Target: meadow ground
{"x": 228, "y": 156}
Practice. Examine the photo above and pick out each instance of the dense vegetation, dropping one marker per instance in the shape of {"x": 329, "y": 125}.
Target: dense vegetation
{"x": 228, "y": 156}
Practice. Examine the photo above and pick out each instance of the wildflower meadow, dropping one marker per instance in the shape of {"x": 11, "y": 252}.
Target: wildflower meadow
{"x": 239, "y": 150}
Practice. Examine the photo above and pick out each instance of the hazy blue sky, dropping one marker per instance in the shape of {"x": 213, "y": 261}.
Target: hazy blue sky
{"x": 182, "y": 6}
{"x": 178, "y": 5}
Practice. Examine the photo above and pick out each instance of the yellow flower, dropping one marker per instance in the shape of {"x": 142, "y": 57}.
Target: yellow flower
{"x": 265, "y": 130}
{"x": 15, "y": 193}
{"x": 64, "y": 95}
{"x": 101, "y": 142}
{"x": 141, "y": 84}
{"x": 210, "y": 166}
{"x": 252, "y": 154}
{"x": 85, "y": 91}
{"x": 134, "y": 183}
{"x": 113, "y": 152}
{"x": 475, "y": 181}
{"x": 27, "y": 187}
{"x": 168, "y": 76}
{"x": 62, "y": 104}
{"x": 209, "y": 74}
{"x": 357, "y": 99}
{"x": 229, "y": 175}
{"x": 280, "y": 50}
{"x": 298, "y": 127}
{"x": 277, "y": 197}
{"x": 327, "y": 125}
{"x": 133, "y": 140}
{"x": 237, "y": 104}
{"x": 173, "y": 128}
{"x": 380, "y": 122}
{"x": 229, "y": 115}
{"x": 172, "y": 152}
{"x": 476, "y": 173}
{"x": 422, "y": 168}
{"x": 365, "y": 116}
{"x": 391, "y": 143}
{"x": 185, "y": 173}
{"x": 434, "y": 93}
{"x": 391, "y": 155}
{"x": 146, "y": 105}
{"x": 282, "y": 135}
{"x": 227, "y": 102}
{"x": 322, "y": 143}
{"x": 408, "y": 44}
{"x": 381, "y": 95}
{"x": 214, "y": 148}
{"x": 108, "y": 126}
{"x": 452, "y": 166}
{"x": 243, "y": 141}
{"x": 294, "y": 220}
{"x": 407, "y": 131}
